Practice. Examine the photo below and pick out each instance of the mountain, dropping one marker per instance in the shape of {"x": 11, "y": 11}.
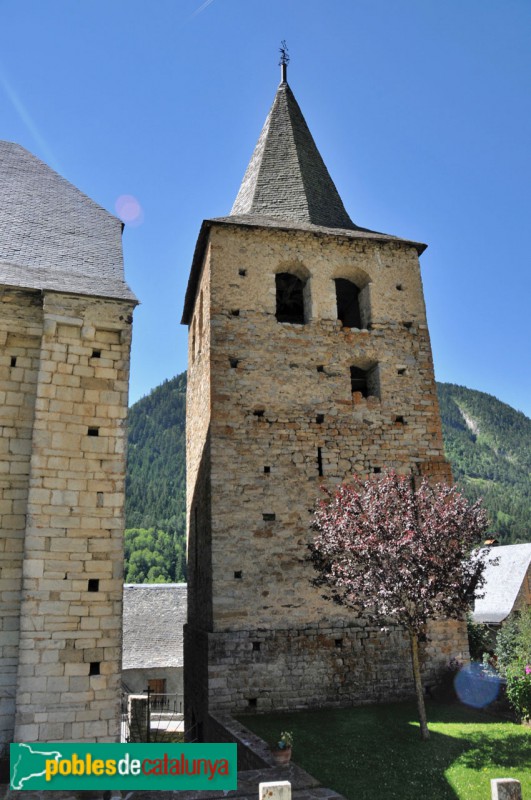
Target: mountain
{"x": 155, "y": 504}
{"x": 487, "y": 442}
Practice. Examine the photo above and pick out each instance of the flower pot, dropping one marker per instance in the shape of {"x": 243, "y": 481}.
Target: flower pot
{"x": 282, "y": 756}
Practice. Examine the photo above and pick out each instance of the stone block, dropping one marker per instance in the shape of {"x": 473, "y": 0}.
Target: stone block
{"x": 505, "y": 789}
{"x": 274, "y": 790}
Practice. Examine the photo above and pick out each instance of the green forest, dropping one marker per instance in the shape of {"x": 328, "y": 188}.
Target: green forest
{"x": 487, "y": 442}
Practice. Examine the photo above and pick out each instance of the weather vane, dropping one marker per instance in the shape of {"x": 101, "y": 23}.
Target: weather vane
{"x": 284, "y": 60}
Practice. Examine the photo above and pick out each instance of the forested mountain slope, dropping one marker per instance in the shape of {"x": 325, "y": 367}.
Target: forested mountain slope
{"x": 487, "y": 442}
{"x": 155, "y": 506}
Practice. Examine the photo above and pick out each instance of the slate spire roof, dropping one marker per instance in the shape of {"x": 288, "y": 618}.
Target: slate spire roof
{"x": 286, "y": 177}
{"x": 52, "y": 236}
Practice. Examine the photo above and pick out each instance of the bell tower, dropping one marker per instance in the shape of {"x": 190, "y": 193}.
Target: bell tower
{"x": 309, "y": 360}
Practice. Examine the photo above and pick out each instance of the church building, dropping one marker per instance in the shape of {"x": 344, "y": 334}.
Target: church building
{"x": 309, "y": 361}
{"x": 65, "y": 336}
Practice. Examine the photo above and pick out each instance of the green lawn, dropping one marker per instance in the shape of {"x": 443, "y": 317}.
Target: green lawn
{"x": 375, "y": 752}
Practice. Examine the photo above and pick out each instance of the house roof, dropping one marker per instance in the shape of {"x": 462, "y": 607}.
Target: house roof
{"x": 153, "y": 618}
{"x": 503, "y": 582}
{"x": 286, "y": 186}
{"x": 52, "y": 236}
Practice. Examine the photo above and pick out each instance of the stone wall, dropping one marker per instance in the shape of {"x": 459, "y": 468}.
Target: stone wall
{"x": 283, "y": 420}
{"x": 69, "y": 436}
{"x": 322, "y": 664}
{"x": 20, "y": 336}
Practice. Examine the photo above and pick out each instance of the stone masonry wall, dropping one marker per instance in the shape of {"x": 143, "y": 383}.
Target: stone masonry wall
{"x": 20, "y": 336}
{"x": 289, "y": 395}
{"x": 71, "y": 527}
{"x": 322, "y": 664}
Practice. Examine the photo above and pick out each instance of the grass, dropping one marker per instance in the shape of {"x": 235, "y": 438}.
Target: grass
{"x": 376, "y": 752}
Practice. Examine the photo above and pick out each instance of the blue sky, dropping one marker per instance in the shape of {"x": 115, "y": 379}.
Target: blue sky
{"x": 421, "y": 110}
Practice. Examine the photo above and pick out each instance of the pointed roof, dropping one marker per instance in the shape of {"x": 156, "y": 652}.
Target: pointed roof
{"x": 286, "y": 177}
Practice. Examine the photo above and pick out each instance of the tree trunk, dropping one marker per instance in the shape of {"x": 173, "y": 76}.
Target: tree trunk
{"x": 424, "y": 732}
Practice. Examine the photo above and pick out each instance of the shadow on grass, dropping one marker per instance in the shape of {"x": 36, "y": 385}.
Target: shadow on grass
{"x": 485, "y": 752}
{"x": 376, "y": 752}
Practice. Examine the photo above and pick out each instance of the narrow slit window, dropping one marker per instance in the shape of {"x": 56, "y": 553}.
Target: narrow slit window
{"x": 290, "y": 298}
{"x": 348, "y": 304}
{"x": 13, "y": 361}
{"x": 320, "y": 461}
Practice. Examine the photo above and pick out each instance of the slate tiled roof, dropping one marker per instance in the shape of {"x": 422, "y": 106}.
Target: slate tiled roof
{"x": 503, "y": 582}
{"x": 153, "y": 619}
{"x": 52, "y": 236}
{"x": 286, "y": 177}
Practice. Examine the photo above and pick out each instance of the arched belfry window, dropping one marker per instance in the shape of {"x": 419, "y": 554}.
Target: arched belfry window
{"x": 348, "y": 303}
{"x": 290, "y": 298}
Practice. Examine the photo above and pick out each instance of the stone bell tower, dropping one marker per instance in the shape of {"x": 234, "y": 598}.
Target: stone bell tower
{"x": 309, "y": 360}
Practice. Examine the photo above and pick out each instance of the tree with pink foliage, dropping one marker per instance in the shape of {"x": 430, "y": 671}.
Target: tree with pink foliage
{"x": 400, "y": 555}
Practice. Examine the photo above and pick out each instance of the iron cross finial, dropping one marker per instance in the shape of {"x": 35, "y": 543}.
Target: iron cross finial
{"x": 284, "y": 60}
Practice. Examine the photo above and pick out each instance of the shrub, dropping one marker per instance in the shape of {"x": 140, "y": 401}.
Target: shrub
{"x": 506, "y": 643}
{"x": 514, "y": 640}
{"x": 519, "y": 687}
{"x": 479, "y": 638}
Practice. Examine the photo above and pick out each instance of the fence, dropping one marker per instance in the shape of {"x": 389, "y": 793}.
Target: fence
{"x": 151, "y": 717}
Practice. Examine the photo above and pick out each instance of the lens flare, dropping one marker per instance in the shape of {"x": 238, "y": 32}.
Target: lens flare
{"x": 129, "y": 210}
{"x": 477, "y": 685}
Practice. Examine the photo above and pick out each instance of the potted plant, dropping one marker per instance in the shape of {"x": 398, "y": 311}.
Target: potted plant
{"x": 281, "y": 751}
